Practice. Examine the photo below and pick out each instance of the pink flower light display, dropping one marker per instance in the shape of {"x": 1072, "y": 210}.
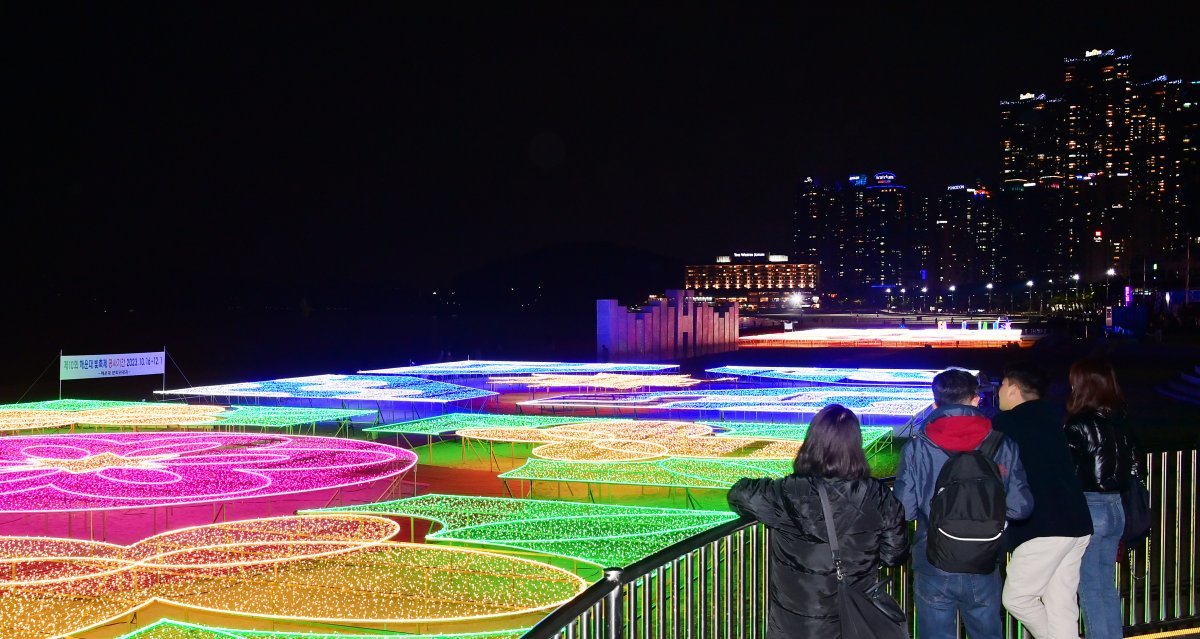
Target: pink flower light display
{"x": 62, "y": 473}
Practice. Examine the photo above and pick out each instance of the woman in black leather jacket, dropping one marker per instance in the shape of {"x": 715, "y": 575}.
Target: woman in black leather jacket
{"x": 868, "y": 518}
{"x": 1105, "y": 461}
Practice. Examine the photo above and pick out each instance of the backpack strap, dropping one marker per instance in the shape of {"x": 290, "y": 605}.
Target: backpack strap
{"x": 991, "y": 444}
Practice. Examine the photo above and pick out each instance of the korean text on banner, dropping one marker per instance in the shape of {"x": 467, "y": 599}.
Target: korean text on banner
{"x": 117, "y": 365}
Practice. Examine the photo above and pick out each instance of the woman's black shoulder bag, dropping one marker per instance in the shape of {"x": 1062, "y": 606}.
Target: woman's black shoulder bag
{"x": 872, "y": 614}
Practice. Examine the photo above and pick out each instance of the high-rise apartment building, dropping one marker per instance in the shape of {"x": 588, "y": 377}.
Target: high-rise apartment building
{"x": 1106, "y": 173}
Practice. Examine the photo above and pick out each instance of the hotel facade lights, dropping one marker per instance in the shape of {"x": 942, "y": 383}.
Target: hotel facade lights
{"x": 757, "y": 281}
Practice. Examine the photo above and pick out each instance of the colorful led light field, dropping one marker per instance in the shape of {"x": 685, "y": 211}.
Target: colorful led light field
{"x": 327, "y": 568}
{"x": 443, "y": 424}
{"x": 610, "y": 381}
{"x": 130, "y": 415}
{"x": 673, "y": 472}
{"x": 791, "y": 432}
{"x": 373, "y": 388}
{"x": 598, "y": 534}
{"x": 58, "y": 473}
{"x": 167, "y": 629}
{"x": 815, "y": 375}
{"x": 871, "y": 400}
{"x": 69, "y": 405}
{"x": 284, "y": 417}
{"x": 499, "y": 367}
{"x": 884, "y": 337}
{"x": 633, "y": 440}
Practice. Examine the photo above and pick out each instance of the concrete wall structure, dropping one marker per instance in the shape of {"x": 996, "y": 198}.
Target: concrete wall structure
{"x": 668, "y": 328}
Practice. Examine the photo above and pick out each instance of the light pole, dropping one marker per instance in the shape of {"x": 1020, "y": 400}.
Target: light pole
{"x": 989, "y": 289}
{"x": 1029, "y": 285}
{"x": 1075, "y": 277}
{"x": 924, "y": 290}
{"x": 952, "y": 288}
{"x": 902, "y": 302}
{"x": 1108, "y": 281}
{"x": 889, "y": 294}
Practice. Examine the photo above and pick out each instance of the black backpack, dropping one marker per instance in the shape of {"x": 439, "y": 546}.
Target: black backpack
{"x": 967, "y": 516}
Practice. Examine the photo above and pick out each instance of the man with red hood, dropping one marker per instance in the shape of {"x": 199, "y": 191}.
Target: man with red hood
{"x": 957, "y": 427}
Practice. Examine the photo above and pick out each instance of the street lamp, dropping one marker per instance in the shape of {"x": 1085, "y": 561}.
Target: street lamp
{"x": 989, "y": 289}
{"x": 889, "y": 295}
{"x": 1107, "y": 281}
{"x": 1029, "y": 285}
{"x": 1075, "y": 277}
{"x": 924, "y": 290}
{"x": 952, "y": 289}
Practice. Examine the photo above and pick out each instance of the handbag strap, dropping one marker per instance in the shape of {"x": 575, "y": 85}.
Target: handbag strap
{"x": 827, "y": 509}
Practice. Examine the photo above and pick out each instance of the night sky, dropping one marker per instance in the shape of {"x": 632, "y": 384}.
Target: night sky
{"x": 169, "y": 146}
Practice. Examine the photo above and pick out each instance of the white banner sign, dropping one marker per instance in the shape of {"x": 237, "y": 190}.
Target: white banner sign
{"x": 118, "y": 365}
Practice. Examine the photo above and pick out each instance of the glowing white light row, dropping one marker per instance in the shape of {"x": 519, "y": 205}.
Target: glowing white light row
{"x": 501, "y": 367}
{"x": 871, "y": 400}
{"x": 613, "y": 381}
{"x": 819, "y": 375}
{"x": 864, "y": 337}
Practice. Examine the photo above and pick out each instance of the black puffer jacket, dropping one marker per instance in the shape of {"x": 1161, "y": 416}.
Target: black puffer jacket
{"x": 871, "y": 531}
{"x": 1102, "y": 451}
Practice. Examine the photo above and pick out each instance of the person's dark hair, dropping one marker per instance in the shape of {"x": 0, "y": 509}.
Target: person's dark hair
{"x": 954, "y": 386}
{"x": 833, "y": 446}
{"x": 1028, "y": 377}
{"x": 1093, "y": 387}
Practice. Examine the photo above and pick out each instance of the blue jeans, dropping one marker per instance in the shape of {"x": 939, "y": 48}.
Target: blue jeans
{"x": 975, "y": 597}
{"x": 1097, "y": 574}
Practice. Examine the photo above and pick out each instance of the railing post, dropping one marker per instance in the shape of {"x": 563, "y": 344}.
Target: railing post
{"x": 614, "y": 613}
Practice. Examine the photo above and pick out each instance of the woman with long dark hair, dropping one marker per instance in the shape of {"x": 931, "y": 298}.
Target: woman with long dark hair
{"x": 1105, "y": 461}
{"x": 869, "y": 520}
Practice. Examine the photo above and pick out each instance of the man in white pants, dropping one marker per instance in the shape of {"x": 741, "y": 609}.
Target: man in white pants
{"x": 1043, "y": 574}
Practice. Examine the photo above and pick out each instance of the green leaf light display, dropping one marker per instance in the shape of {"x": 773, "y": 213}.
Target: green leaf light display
{"x": 603, "y": 535}
{"x": 168, "y": 629}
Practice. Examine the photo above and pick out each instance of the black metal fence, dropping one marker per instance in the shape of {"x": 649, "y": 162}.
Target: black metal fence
{"x": 714, "y": 585}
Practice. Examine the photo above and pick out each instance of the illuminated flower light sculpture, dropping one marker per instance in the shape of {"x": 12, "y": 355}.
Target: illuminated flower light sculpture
{"x": 633, "y": 440}
{"x": 443, "y": 424}
{"x": 602, "y": 535}
{"x": 328, "y": 568}
{"x": 864, "y": 400}
{"x": 168, "y": 629}
{"x": 58, "y": 473}
{"x": 473, "y": 367}
{"x": 131, "y": 415}
{"x": 372, "y": 388}
{"x": 673, "y": 472}
{"x": 848, "y": 376}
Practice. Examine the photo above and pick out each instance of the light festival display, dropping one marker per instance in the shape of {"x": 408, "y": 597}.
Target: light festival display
{"x": 602, "y": 535}
{"x": 631, "y": 440}
{"x": 472, "y": 367}
{"x": 69, "y": 405}
{"x": 871, "y": 435}
{"x": 61, "y": 473}
{"x": 610, "y": 381}
{"x": 864, "y": 400}
{"x": 674, "y": 472}
{"x": 284, "y": 416}
{"x": 168, "y": 629}
{"x": 128, "y": 415}
{"x": 848, "y": 376}
{"x": 374, "y": 388}
{"x": 452, "y": 422}
{"x": 884, "y": 337}
{"x": 320, "y": 568}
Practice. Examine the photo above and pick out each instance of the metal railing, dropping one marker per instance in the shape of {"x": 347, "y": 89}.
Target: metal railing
{"x": 714, "y": 585}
